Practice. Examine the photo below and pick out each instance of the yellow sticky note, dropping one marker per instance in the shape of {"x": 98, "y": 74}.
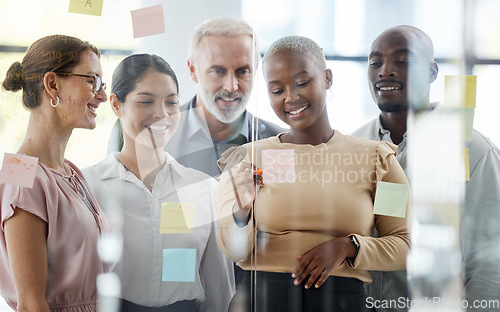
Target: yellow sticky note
{"x": 468, "y": 120}
{"x": 460, "y": 90}
{"x": 148, "y": 21}
{"x": 391, "y": 199}
{"x": 466, "y": 158}
{"x": 89, "y": 7}
{"x": 177, "y": 217}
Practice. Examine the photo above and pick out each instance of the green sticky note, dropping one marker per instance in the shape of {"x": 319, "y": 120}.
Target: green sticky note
{"x": 468, "y": 119}
{"x": 176, "y": 218}
{"x": 460, "y": 90}
{"x": 89, "y": 7}
{"x": 391, "y": 199}
{"x": 179, "y": 265}
{"x": 466, "y": 158}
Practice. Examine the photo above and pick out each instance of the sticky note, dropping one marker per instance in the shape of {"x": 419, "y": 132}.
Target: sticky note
{"x": 177, "y": 217}
{"x": 460, "y": 90}
{"x": 18, "y": 170}
{"x": 278, "y": 166}
{"x": 179, "y": 265}
{"x": 466, "y": 159}
{"x": 468, "y": 119}
{"x": 148, "y": 21}
{"x": 391, "y": 199}
{"x": 88, "y": 7}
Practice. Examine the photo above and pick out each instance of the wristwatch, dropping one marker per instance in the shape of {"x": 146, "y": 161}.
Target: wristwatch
{"x": 350, "y": 260}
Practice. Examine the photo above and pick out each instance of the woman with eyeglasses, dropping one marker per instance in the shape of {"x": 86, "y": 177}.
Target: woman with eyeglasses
{"x": 170, "y": 261}
{"x": 49, "y": 231}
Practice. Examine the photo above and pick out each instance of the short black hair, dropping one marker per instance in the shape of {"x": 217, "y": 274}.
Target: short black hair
{"x": 132, "y": 68}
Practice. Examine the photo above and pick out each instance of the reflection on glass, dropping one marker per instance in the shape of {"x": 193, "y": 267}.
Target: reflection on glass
{"x": 485, "y": 36}
{"x": 487, "y": 108}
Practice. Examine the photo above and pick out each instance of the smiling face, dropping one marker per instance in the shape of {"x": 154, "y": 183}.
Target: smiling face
{"x": 78, "y": 104}
{"x": 223, "y": 70}
{"x": 400, "y": 69}
{"x": 150, "y": 113}
{"x": 296, "y": 85}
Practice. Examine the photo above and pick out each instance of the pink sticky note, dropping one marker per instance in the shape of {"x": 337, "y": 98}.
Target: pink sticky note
{"x": 278, "y": 166}
{"x": 148, "y": 21}
{"x": 18, "y": 170}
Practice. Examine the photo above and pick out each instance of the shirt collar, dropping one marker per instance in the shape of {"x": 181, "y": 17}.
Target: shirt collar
{"x": 384, "y": 134}
{"x": 381, "y": 130}
{"x": 195, "y": 120}
{"x": 242, "y": 130}
{"x": 110, "y": 167}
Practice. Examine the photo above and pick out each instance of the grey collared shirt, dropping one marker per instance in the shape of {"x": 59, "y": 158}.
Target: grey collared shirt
{"x": 480, "y": 225}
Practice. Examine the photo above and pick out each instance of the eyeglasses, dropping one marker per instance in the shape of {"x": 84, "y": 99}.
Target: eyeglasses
{"x": 97, "y": 84}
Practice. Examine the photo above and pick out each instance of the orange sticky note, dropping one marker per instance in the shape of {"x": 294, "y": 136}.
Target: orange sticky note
{"x": 460, "y": 90}
{"x": 88, "y": 7}
{"x": 148, "y": 21}
{"x": 18, "y": 170}
{"x": 466, "y": 159}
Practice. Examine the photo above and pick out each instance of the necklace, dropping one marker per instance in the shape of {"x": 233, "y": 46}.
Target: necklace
{"x": 132, "y": 170}
{"x": 151, "y": 176}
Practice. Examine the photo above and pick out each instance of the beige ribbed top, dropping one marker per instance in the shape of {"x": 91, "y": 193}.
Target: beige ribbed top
{"x": 332, "y": 196}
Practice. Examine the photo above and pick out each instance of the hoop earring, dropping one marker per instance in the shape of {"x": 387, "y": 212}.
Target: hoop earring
{"x": 56, "y": 103}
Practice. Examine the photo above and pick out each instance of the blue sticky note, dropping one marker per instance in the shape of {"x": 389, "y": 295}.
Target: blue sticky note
{"x": 391, "y": 199}
{"x": 179, "y": 265}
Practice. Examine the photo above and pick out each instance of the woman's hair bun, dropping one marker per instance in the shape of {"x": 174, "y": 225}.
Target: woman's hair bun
{"x": 14, "y": 80}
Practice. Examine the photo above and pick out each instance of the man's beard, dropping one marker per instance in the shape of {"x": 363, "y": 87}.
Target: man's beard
{"x": 225, "y": 114}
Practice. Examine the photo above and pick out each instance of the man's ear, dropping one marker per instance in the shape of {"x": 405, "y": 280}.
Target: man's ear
{"x": 192, "y": 71}
{"x": 433, "y": 72}
{"x": 329, "y": 78}
{"x": 115, "y": 105}
{"x": 51, "y": 84}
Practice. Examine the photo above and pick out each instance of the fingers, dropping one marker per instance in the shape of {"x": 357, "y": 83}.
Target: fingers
{"x": 251, "y": 170}
{"x": 302, "y": 275}
{"x": 303, "y": 268}
{"x": 318, "y": 262}
{"x": 318, "y": 275}
{"x": 244, "y": 184}
{"x": 314, "y": 277}
{"x": 322, "y": 279}
{"x": 258, "y": 180}
{"x": 244, "y": 166}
